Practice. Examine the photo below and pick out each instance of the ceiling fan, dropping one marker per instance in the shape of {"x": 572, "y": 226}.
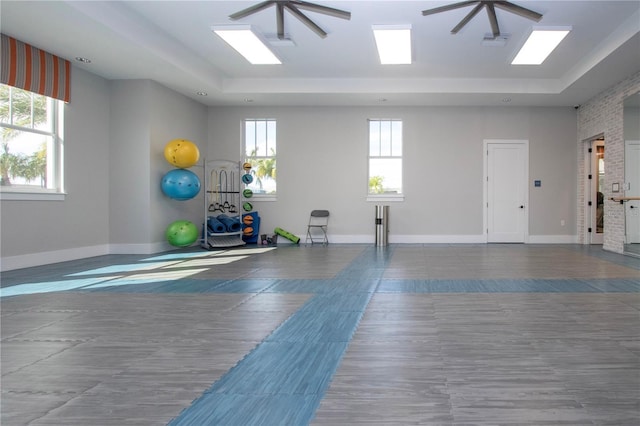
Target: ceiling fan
{"x": 491, "y": 11}
{"x": 293, "y": 6}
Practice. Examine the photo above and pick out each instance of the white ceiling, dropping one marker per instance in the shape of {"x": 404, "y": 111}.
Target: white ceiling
{"x": 171, "y": 42}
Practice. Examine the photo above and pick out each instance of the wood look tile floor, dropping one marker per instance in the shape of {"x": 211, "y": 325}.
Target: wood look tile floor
{"x": 325, "y": 335}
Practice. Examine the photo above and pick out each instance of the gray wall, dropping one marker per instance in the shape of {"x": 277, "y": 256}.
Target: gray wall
{"x": 322, "y": 163}
{"x": 115, "y": 133}
{"x": 129, "y": 199}
{"x": 145, "y": 117}
{"x": 173, "y": 117}
{"x": 79, "y": 225}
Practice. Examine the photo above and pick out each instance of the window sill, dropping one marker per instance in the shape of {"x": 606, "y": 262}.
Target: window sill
{"x": 388, "y": 198}
{"x": 7, "y": 195}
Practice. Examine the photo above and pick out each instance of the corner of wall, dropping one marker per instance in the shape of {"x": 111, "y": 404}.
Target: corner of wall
{"x": 603, "y": 114}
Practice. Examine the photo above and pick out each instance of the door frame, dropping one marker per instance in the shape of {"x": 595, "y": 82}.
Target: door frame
{"x": 627, "y": 144}
{"x": 485, "y": 184}
{"x": 589, "y": 215}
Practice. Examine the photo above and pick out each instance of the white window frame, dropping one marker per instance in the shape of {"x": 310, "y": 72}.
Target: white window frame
{"x": 55, "y": 160}
{"x": 391, "y": 197}
{"x": 259, "y": 196}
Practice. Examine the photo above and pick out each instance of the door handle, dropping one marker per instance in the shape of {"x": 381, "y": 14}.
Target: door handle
{"x": 522, "y": 207}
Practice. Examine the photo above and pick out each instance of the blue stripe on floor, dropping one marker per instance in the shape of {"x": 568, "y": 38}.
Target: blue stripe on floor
{"x": 616, "y": 285}
{"x": 235, "y": 409}
{"x": 284, "y": 378}
{"x": 510, "y": 286}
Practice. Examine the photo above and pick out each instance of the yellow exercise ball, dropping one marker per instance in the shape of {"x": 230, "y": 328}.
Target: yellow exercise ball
{"x": 181, "y": 153}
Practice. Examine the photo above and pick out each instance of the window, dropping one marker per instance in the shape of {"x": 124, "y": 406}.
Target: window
{"x": 31, "y": 150}
{"x": 260, "y": 152}
{"x": 385, "y": 157}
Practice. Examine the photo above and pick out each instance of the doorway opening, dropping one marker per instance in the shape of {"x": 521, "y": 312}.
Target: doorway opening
{"x": 632, "y": 189}
{"x": 595, "y": 184}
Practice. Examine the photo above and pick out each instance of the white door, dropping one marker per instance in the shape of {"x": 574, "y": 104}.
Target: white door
{"x": 632, "y": 189}
{"x": 506, "y": 191}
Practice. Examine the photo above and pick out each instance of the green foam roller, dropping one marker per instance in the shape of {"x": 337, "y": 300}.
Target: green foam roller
{"x": 288, "y": 235}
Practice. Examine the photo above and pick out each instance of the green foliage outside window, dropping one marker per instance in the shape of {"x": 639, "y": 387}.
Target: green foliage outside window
{"x": 375, "y": 185}
{"x": 21, "y": 109}
{"x": 260, "y": 152}
{"x": 263, "y": 168}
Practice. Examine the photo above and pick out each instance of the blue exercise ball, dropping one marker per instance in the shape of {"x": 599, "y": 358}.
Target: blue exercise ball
{"x": 180, "y": 184}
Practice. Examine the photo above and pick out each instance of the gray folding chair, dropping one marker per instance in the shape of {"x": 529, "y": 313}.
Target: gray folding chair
{"x": 317, "y": 228}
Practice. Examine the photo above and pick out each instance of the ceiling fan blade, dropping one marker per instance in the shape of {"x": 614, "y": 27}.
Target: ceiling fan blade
{"x": 493, "y": 19}
{"x": 280, "y": 20}
{"x": 308, "y": 22}
{"x": 448, "y": 7}
{"x": 250, "y": 10}
{"x": 518, "y": 10}
{"x": 325, "y": 10}
{"x": 467, "y": 18}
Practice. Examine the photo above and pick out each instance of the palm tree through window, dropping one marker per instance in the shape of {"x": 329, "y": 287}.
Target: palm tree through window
{"x": 29, "y": 150}
{"x": 260, "y": 152}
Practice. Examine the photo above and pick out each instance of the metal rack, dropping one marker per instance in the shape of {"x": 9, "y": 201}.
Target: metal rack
{"x": 222, "y": 204}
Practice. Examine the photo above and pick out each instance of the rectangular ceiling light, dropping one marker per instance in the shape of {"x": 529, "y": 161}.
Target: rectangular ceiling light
{"x": 247, "y": 43}
{"x": 539, "y": 45}
{"x": 394, "y": 43}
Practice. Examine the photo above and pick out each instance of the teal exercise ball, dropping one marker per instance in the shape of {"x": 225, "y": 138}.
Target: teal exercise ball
{"x": 180, "y": 184}
{"x": 247, "y": 179}
{"x": 181, "y": 233}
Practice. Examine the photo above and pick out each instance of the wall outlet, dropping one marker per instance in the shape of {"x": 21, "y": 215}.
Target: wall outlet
{"x": 562, "y": 222}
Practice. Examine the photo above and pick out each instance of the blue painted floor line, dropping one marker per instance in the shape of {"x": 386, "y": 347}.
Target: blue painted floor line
{"x": 511, "y": 286}
{"x": 235, "y": 409}
{"x": 283, "y": 380}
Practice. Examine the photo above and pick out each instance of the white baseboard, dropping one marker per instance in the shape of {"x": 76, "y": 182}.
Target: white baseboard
{"x": 9, "y": 263}
{"x": 47, "y": 257}
{"x": 140, "y": 248}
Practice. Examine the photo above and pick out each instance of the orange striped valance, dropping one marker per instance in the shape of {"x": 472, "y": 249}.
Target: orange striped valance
{"x": 35, "y": 70}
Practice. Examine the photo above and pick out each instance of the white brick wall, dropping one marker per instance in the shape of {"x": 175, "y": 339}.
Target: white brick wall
{"x": 603, "y": 114}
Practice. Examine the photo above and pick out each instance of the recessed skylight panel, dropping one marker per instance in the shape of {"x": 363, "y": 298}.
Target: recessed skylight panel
{"x": 393, "y": 43}
{"x": 539, "y": 45}
{"x": 247, "y": 43}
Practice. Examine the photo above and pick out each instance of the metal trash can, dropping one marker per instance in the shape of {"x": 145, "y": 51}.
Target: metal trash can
{"x": 382, "y": 226}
